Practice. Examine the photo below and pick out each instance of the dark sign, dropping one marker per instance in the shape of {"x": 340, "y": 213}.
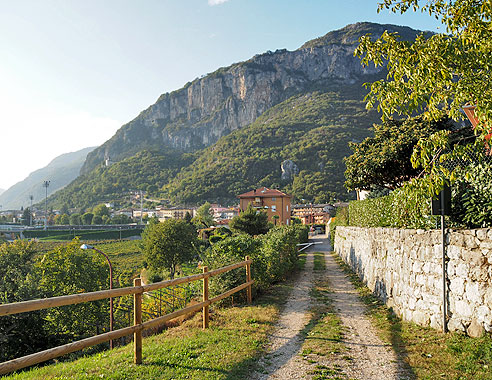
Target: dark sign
{"x": 441, "y": 205}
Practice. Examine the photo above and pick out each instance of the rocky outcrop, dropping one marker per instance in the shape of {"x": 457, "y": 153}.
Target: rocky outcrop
{"x": 210, "y": 107}
{"x": 289, "y": 170}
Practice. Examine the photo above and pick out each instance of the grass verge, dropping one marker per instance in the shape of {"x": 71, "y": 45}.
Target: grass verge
{"x": 229, "y": 349}
{"x": 426, "y": 353}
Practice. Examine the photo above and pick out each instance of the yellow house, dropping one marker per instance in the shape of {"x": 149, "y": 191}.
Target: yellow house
{"x": 274, "y": 202}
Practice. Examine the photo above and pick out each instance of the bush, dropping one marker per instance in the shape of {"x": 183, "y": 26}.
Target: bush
{"x": 472, "y": 198}
{"x": 397, "y": 209}
{"x": 341, "y": 219}
{"x": 274, "y": 255}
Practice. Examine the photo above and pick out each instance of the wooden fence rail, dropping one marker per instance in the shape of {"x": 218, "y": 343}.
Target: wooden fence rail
{"x": 138, "y": 326}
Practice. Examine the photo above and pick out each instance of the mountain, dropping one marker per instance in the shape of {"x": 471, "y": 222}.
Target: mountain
{"x": 60, "y": 172}
{"x": 1, "y": 191}
{"x": 218, "y": 110}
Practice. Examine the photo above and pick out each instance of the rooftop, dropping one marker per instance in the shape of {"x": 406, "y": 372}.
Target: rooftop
{"x": 263, "y": 192}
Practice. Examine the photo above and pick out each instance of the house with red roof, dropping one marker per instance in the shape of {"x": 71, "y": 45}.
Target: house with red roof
{"x": 275, "y": 203}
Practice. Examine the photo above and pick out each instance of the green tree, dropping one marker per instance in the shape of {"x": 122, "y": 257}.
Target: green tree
{"x": 101, "y": 210}
{"x": 121, "y": 219}
{"x": 203, "y": 217}
{"x": 26, "y": 216}
{"x": 250, "y": 221}
{"x": 24, "y": 333}
{"x": 167, "y": 245}
{"x": 69, "y": 270}
{"x": 385, "y": 159}
{"x": 435, "y": 75}
{"x": 75, "y": 220}
{"x": 62, "y": 219}
{"x": 97, "y": 219}
{"x": 87, "y": 218}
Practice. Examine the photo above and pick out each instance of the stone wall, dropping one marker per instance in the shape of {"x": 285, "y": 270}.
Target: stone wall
{"x": 403, "y": 267}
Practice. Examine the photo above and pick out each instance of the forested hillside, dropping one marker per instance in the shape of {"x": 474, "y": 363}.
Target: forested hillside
{"x": 230, "y": 131}
{"x": 312, "y": 130}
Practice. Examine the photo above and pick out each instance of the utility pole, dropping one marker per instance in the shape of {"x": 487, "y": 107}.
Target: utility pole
{"x": 45, "y": 185}
{"x": 141, "y": 207}
{"x": 30, "y": 211}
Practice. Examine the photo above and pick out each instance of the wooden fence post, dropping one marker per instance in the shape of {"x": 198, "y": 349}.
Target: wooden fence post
{"x": 205, "y": 298}
{"x": 248, "y": 279}
{"x": 137, "y": 320}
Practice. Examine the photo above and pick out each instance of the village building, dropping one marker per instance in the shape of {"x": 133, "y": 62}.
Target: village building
{"x": 275, "y": 203}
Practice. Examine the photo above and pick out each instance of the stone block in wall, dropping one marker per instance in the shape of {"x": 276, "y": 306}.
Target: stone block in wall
{"x": 421, "y": 318}
{"x": 471, "y": 242}
{"x": 453, "y": 252}
{"x": 455, "y": 324}
{"x": 472, "y": 292}
{"x": 457, "y": 286}
{"x": 456, "y": 239}
{"x": 482, "y": 234}
{"x": 463, "y": 309}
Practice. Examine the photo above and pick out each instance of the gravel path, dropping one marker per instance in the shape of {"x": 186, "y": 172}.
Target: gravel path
{"x": 282, "y": 360}
{"x": 371, "y": 358}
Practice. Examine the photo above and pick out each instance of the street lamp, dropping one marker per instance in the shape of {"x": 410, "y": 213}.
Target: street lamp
{"x": 87, "y": 246}
{"x": 46, "y": 184}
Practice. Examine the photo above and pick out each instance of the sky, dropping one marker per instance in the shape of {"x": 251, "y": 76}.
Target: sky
{"x": 73, "y": 71}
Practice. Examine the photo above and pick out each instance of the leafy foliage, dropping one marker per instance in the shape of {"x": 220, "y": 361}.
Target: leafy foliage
{"x": 203, "y": 217}
{"x": 274, "y": 255}
{"x": 250, "y": 221}
{"x": 385, "y": 159}
{"x": 435, "y": 75}
{"x": 70, "y": 270}
{"x": 20, "y": 334}
{"x": 472, "y": 197}
{"x": 168, "y": 244}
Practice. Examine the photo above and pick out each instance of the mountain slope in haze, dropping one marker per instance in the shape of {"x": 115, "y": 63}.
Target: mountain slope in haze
{"x": 60, "y": 172}
{"x": 148, "y": 170}
{"x": 192, "y": 125}
{"x": 197, "y": 115}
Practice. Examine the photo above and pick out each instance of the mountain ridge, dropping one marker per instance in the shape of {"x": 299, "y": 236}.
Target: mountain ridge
{"x": 60, "y": 171}
{"x": 190, "y": 121}
{"x": 207, "y": 108}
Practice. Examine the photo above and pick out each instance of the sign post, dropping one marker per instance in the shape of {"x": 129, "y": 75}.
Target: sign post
{"x": 442, "y": 206}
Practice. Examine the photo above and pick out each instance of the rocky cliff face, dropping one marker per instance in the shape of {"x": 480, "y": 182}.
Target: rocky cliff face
{"x": 208, "y": 108}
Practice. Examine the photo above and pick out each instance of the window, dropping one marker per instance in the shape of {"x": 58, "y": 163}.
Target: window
{"x": 287, "y": 208}
{"x": 274, "y": 199}
{"x": 274, "y": 208}
{"x": 257, "y": 199}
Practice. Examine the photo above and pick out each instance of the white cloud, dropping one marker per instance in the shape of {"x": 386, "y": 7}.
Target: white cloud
{"x": 216, "y": 2}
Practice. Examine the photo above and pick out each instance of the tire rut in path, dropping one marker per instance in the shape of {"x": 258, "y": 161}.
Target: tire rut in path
{"x": 372, "y": 359}
{"x": 282, "y": 360}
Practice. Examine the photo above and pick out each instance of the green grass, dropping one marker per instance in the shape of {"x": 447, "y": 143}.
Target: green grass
{"x": 319, "y": 261}
{"x": 323, "y": 334}
{"x": 301, "y": 263}
{"x": 427, "y": 354}
{"x": 229, "y": 349}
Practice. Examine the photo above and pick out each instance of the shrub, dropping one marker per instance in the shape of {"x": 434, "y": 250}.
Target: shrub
{"x": 274, "y": 255}
{"x": 341, "y": 219}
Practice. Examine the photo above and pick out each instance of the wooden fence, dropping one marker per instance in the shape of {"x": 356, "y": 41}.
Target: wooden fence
{"x": 137, "y": 290}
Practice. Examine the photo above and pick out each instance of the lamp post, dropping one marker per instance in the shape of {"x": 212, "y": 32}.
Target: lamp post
{"x": 30, "y": 211}
{"x": 87, "y": 246}
{"x": 46, "y": 184}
